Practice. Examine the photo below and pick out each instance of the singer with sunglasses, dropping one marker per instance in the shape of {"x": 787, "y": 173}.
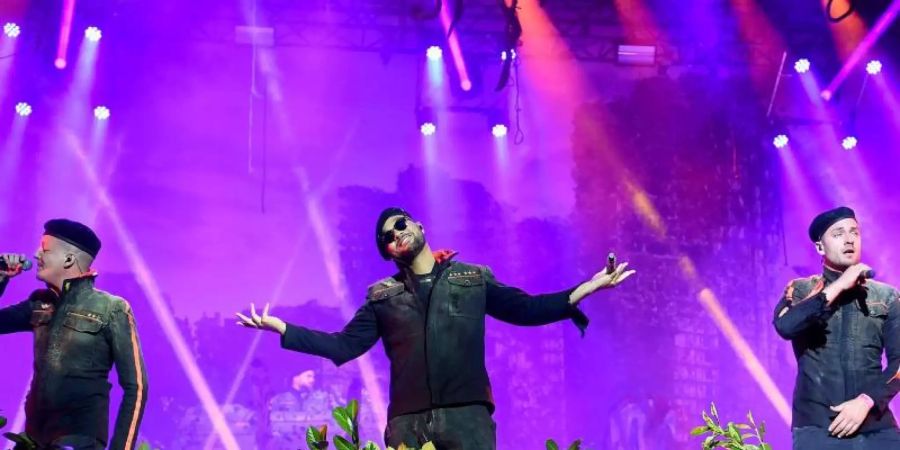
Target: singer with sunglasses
{"x": 431, "y": 318}
{"x": 840, "y": 323}
{"x": 80, "y": 333}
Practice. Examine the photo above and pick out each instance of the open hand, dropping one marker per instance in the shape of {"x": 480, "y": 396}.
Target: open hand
{"x": 263, "y": 322}
{"x": 851, "y": 415}
{"x": 600, "y": 280}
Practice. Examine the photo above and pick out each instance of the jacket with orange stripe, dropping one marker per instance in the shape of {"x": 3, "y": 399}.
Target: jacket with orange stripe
{"x": 839, "y": 347}
{"x": 78, "y": 336}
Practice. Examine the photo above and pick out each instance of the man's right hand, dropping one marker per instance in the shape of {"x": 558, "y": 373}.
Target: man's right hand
{"x": 263, "y": 322}
{"x": 13, "y": 265}
{"x": 848, "y": 280}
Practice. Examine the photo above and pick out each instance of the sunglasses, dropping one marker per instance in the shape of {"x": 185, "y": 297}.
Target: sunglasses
{"x": 388, "y": 236}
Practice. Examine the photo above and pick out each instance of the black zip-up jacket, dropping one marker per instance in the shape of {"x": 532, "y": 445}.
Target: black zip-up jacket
{"x": 839, "y": 348}
{"x": 78, "y": 337}
{"x": 437, "y": 356}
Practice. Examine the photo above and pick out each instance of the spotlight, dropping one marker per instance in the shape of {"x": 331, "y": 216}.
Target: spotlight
{"x": 12, "y": 30}
{"x": 425, "y": 121}
{"x": 60, "y": 63}
{"x": 434, "y": 53}
{"x": 101, "y": 113}
{"x": 93, "y": 34}
{"x": 499, "y": 130}
{"x": 780, "y": 141}
{"x": 506, "y": 54}
{"x": 428, "y": 129}
{"x": 873, "y": 67}
{"x": 802, "y": 65}
{"x": 849, "y": 143}
{"x": 23, "y": 109}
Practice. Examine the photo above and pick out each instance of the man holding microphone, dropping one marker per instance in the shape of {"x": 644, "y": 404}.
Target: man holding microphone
{"x": 840, "y": 323}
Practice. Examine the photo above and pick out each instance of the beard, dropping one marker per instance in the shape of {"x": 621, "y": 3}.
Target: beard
{"x": 412, "y": 250}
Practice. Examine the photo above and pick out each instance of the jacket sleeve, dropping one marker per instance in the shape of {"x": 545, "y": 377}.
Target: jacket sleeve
{"x": 888, "y": 384}
{"x": 129, "y": 362}
{"x": 793, "y": 317}
{"x": 14, "y": 318}
{"x": 515, "y": 306}
{"x": 357, "y": 337}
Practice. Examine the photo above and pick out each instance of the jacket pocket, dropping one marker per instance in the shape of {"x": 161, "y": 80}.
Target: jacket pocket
{"x": 466, "y": 295}
{"x": 83, "y": 322}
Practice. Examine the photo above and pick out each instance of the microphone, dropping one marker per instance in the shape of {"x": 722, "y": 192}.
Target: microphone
{"x": 26, "y": 265}
{"x": 611, "y": 263}
{"x": 869, "y": 274}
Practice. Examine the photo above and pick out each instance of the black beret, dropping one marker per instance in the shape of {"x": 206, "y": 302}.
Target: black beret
{"x": 382, "y": 218}
{"x": 828, "y": 218}
{"x": 75, "y": 233}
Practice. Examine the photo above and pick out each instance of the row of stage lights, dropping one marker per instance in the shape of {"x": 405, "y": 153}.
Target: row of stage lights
{"x": 436, "y": 53}
{"x": 12, "y": 30}
{"x": 782, "y": 140}
{"x": 24, "y": 109}
{"x": 803, "y": 65}
{"x": 92, "y": 34}
{"x": 428, "y": 127}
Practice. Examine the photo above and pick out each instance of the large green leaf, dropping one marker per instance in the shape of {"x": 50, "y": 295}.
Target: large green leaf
{"x": 353, "y": 408}
{"x": 317, "y": 438}
{"x": 371, "y": 446}
{"x": 342, "y": 444}
{"x": 2, "y": 421}
{"x": 342, "y": 418}
{"x": 551, "y": 445}
{"x": 575, "y": 445}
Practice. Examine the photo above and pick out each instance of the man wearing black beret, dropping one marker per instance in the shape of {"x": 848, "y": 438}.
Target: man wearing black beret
{"x": 79, "y": 334}
{"x": 840, "y": 324}
{"x": 430, "y": 316}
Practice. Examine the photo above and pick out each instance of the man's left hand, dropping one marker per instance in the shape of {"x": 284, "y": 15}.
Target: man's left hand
{"x": 851, "y": 415}
{"x": 600, "y": 280}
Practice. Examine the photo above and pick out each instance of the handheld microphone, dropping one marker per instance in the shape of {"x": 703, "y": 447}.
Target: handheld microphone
{"x": 869, "y": 274}
{"x": 26, "y": 265}
{"x": 611, "y": 263}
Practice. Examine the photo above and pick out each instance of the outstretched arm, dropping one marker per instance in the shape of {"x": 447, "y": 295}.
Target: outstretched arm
{"x": 357, "y": 337}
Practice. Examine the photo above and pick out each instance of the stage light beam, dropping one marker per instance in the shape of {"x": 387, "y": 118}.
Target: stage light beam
{"x": 93, "y": 34}
{"x": 434, "y": 53}
{"x": 428, "y": 129}
{"x": 23, "y": 109}
{"x": 873, "y": 67}
{"x": 101, "y": 113}
{"x": 849, "y": 143}
{"x": 780, "y": 141}
{"x": 11, "y": 30}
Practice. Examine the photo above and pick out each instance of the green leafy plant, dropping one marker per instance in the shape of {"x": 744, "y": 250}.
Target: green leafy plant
{"x": 732, "y": 436}
{"x": 552, "y": 445}
{"x": 347, "y": 418}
